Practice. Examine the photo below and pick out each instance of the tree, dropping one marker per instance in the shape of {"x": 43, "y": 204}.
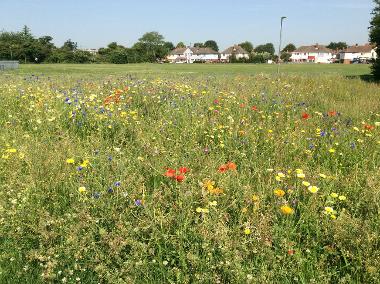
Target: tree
{"x": 180, "y": 45}
{"x": 247, "y": 46}
{"x": 337, "y": 45}
{"x": 69, "y": 45}
{"x": 152, "y": 46}
{"x": 268, "y": 48}
{"x": 285, "y": 56}
{"x": 374, "y": 36}
{"x": 198, "y": 44}
{"x": 289, "y": 48}
{"x": 211, "y": 44}
{"x": 169, "y": 45}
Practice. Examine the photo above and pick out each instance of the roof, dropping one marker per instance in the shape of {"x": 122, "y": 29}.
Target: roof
{"x": 313, "y": 48}
{"x": 178, "y": 51}
{"x": 236, "y": 49}
{"x": 367, "y": 48}
{"x": 195, "y": 50}
{"x": 203, "y": 50}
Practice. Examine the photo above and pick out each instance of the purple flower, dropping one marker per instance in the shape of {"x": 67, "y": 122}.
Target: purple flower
{"x": 138, "y": 202}
{"x": 117, "y": 183}
{"x": 110, "y": 190}
{"x": 79, "y": 168}
{"x": 323, "y": 133}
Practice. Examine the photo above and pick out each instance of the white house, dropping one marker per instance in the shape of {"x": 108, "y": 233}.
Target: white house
{"x": 235, "y": 50}
{"x": 193, "y": 54}
{"x": 364, "y": 52}
{"x": 313, "y": 53}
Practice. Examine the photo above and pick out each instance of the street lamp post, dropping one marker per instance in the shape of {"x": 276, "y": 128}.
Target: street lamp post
{"x": 279, "y": 46}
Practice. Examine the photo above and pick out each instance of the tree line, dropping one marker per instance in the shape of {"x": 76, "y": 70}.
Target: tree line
{"x": 151, "y": 47}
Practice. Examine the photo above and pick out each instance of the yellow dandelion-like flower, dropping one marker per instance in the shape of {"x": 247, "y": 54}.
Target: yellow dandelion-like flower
{"x": 305, "y": 183}
{"x": 342, "y": 198}
{"x": 299, "y": 171}
{"x": 213, "y": 203}
{"x": 332, "y": 150}
{"x": 313, "y": 189}
{"x": 11, "y": 150}
{"x": 279, "y": 192}
{"x": 202, "y": 210}
{"x": 255, "y": 198}
{"x": 82, "y": 189}
{"x": 286, "y": 210}
{"x": 70, "y": 161}
{"x": 247, "y": 231}
{"x": 329, "y": 210}
{"x": 322, "y": 175}
{"x": 334, "y": 195}
{"x": 281, "y": 175}
{"x": 84, "y": 163}
{"x": 301, "y": 175}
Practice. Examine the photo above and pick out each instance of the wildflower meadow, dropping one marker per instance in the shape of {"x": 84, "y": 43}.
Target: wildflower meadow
{"x": 189, "y": 178}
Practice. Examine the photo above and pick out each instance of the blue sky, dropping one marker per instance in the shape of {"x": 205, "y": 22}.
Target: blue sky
{"x": 95, "y": 23}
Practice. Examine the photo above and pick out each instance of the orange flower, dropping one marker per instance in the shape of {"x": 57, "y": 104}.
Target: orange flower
{"x": 369, "y": 127}
{"x": 332, "y": 113}
{"x": 170, "y": 173}
{"x": 231, "y": 166}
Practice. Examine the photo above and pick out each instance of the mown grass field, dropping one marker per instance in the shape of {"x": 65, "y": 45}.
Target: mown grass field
{"x": 189, "y": 174}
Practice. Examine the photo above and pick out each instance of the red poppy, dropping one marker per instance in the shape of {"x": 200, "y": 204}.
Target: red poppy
{"x": 305, "y": 115}
{"x": 180, "y": 178}
{"x": 184, "y": 170}
{"x": 254, "y": 108}
{"x": 332, "y": 113}
{"x": 170, "y": 173}
{"x": 369, "y": 127}
{"x": 291, "y": 252}
{"x": 223, "y": 168}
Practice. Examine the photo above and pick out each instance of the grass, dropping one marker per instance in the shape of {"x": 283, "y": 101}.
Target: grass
{"x": 149, "y": 174}
{"x": 248, "y": 69}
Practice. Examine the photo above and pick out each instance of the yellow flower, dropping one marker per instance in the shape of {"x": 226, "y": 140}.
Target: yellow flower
{"x": 279, "y": 192}
{"x": 255, "y": 198}
{"x": 329, "y": 210}
{"x": 70, "y": 161}
{"x": 209, "y": 184}
{"x": 12, "y": 150}
{"x": 247, "y": 231}
{"x": 281, "y": 175}
{"x": 333, "y": 216}
{"x": 213, "y": 203}
{"x": 82, "y": 189}
{"x": 322, "y": 175}
{"x": 85, "y": 163}
{"x": 334, "y": 195}
{"x": 299, "y": 171}
{"x": 332, "y": 150}
{"x": 313, "y": 189}
{"x": 305, "y": 183}
{"x": 202, "y": 210}
{"x": 301, "y": 175}
{"x": 342, "y": 198}
{"x": 286, "y": 210}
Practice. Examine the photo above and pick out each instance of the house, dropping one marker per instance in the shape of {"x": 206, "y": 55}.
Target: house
{"x": 236, "y": 51}
{"x": 313, "y": 53}
{"x": 365, "y": 52}
{"x": 193, "y": 54}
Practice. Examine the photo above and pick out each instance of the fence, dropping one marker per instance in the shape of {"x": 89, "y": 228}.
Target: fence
{"x": 5, "y": 65}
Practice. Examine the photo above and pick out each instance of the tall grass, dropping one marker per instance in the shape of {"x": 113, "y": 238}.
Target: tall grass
{"x": 132, "y": 179}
